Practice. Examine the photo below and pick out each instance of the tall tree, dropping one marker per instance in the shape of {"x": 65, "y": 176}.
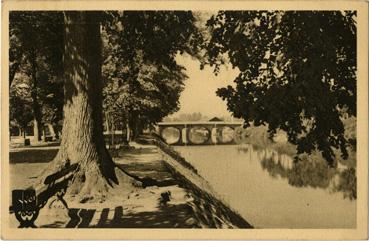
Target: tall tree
{"x": 51, "y": 96}
{"x": 82, "y": 140}
{"x": 49, "y": 93}
{"x": 35, "y": 44}
{"x": 143, "y": 78}
{"x": 20, "y": 104}
{"x": 144, "y": 99}
{"x": 297, "y": 72}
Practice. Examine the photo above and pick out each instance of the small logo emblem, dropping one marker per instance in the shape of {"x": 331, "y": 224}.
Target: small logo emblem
{"x": 25, "y": 207}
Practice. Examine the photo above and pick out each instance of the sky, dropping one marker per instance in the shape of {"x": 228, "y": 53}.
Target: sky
{"x": 200, "y": 87}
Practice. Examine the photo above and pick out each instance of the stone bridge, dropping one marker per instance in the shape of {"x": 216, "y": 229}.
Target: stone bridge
{"x": 198, "y": 133}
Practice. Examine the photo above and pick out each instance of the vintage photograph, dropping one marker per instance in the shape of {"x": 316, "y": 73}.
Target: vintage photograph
{"x": 189, "y": 119}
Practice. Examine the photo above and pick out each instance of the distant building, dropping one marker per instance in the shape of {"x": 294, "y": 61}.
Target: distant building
{"x": 215, "y": 119}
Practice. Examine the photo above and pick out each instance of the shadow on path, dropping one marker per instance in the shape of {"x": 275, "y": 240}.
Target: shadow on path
{"x": 169, "y": 216}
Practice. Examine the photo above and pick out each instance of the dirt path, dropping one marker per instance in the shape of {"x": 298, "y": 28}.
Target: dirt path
{"x": 166, "y": 204}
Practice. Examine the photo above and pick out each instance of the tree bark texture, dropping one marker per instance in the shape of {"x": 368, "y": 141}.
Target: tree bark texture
{"x": 83, "y": 140}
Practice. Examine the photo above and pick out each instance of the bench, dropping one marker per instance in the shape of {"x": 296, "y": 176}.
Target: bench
{"x": 26, "y": 203}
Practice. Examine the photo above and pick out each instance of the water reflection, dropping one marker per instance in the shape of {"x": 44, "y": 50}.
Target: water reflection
{"x": 347, "y": 183}
{"x": 306, "y": 172}
{"x": 271, "y": 191}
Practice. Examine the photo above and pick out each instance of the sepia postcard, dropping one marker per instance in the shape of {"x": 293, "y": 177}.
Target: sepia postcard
{"x": 184, "y": 119}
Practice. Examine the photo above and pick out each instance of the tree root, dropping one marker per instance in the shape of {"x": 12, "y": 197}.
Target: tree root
{"x": 91, "y": 187}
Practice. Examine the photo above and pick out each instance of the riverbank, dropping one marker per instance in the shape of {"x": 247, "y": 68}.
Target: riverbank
{"x": 172, "y": 201}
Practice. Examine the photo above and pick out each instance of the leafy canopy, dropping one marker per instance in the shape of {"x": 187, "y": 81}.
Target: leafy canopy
{"x": 142, "y": 76}
{"x": 35, "y": 34}
{"x": 36, "y": 46}
{"x": 297, "y": 72}
{"x": 20, "y": 102}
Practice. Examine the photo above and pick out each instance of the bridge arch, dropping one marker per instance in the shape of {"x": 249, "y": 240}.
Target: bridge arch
{"x": 197, "y": 136}
{"x": 171, "y": 134}
{"x": 221, "y": 136}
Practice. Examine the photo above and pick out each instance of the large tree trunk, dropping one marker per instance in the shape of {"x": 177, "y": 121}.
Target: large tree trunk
{"x": 83, "y": 140}
{"x": 35, "y": 104}
{"x": 36, "y": 130}
{"x": 136, "y": 126}
{"x": 56, "y": 131}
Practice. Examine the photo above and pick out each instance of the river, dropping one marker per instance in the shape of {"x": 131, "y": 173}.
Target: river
{"x": 264, "y": 199}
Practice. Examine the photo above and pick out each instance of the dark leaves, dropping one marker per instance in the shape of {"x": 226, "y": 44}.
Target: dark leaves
{"x": 298, "y": 72}
{"x": 143, "y": 78}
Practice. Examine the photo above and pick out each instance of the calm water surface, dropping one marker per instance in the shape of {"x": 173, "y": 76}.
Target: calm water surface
{"x": 263, "y": 200}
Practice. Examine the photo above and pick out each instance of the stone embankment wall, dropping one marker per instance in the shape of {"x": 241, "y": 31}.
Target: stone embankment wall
{"x": 207, "y": 207}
